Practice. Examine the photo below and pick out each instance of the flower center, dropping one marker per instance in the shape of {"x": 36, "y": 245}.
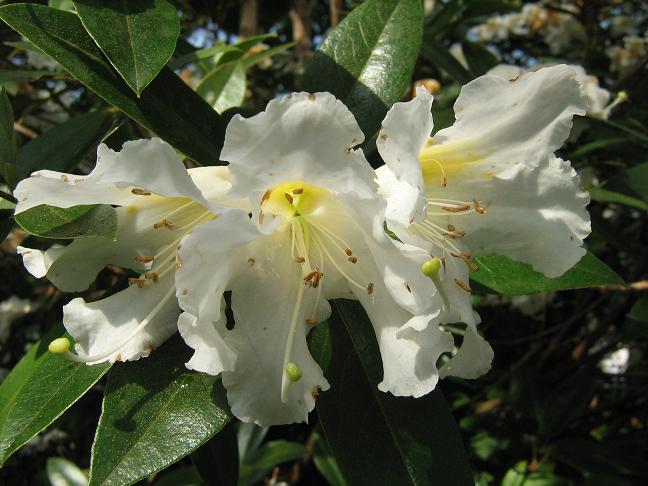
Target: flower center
{"x": 294, "y": 198}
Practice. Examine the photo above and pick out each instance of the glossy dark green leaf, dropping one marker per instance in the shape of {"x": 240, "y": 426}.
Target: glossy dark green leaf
{"x": 439, "y": 56}
{"x": 479, "y": 59}
{"x": 7, "y": 137}
{"x": 168, "y": 107}
{"x": 447, "y": 14}
{"x": 325, "y": 462}
{"x": 19, "y": 75}
{"x": 368, "y": 59}
{"x": 38, "y": 390}
{"x": 138, "y": 37}
{"x": 155, "y": 412}
{"x": 224, "y": 87}
{"x": 375, "y": 437}
{"x": 499, "y": 274}
{"x": 217, "y": 460}
{"x": 63, "y": 147}
{"x": 54, "y": 222}
{"x": 603, "y": 195}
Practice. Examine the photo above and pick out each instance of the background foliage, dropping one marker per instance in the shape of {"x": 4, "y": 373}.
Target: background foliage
{"x": 565, "y": 401}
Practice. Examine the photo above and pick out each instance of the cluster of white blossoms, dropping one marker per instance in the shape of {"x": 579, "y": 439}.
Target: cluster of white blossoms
{"x": 624, "y": 58}
{"x": 559, "y": 30}
{"x": 298, "y": 218}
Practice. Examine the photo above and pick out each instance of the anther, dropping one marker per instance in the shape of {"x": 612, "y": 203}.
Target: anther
{"x": 144, "y": 259}
{"x": 455, "y": 234}
{"x": 444, "y": 181}
{"x": 472, "y": 265}
{"x": 138, "y": 191}
{"x": 136, "y": 281}
{"x": 59, "y": 346}
{"x": 298, "y": 190}
{"x": 431, "y": 267}
{"x": 456, "y": 209}
{"x": 300, "y": 259}
{"x": 251, "y": 261}
{"x": 478, "y": 208}
{"x": 353, "y": 259}
{"x": 370, "y": 288}
{"x": 348, "y": 252}
{"x": 164, "y": 223}
{"x": 463, "y": 285}
{"x": 288, "y": 197}
{"x": 313, "y": 279}
{"x": 462, "y": 254}
{"x": 151, "y": 276}
{"x": 293, "y": 371}
{"x": 64, "y": 178}
{"x": 311, "y": 321}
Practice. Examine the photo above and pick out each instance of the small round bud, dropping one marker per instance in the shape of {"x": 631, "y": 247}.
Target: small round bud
{"x": 59, "y": 346}
{"x": 431, "y": 267}
{"x": 622, "y": 96}
{"x": 293, "y": 371}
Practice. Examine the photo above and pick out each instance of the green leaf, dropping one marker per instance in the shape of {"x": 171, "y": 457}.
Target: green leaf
{"x": 137, "y": 37}
{"x": 217, "y": 460}
{"x": 632, "y": 182}
{"x": 54, "y": 222}
{"x": 168, "y": 107}
{"x": 38, "y": 390}
{"x": 639, "y": 311}
{"x": 62, "y": 472}
{"x": 224, "y": 87}
{"x": 18, "y": 75}
{"x": 250, "y": 61}
{"x": 6, "y": 205}
{"x": 448, "y": 14}
{"x": 182, "y": 476}
{"x": 7, "y": 137}
{"x": 603, "y": 195}
{"x": 479, "y": 58}
{"x": 375, "y": 437}
{"x": 437, "y": 54}
{"x": 62, "y": 4}
{"x": 325, "y": 462}
{"x": 502, "y": 275}
{"x": 63, "y": 147}
{"x": 368, "y": 59}
{"x": 155, "y": 412}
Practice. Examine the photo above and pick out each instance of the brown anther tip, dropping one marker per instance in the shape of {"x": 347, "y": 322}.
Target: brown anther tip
{"x": 184, "y": 291}
{"x": 169, "y": 224}
{"x": 138, "y": 191}
{"x": 311, "y": 321}
{"x": 251, "y": 261}
{"x": 260, "y": 217}
{"x": 266, "y": 196}
{"x": 455, "y": 234}
{"x": 64, "y": 178}
{"x": 463, "y": 285}
{"x": 144, "y": 259}
{"x": 151, "y": 276}
{"x": 472, "y": 265}
{"x": 353, "y": 259}
{"x": 288, "y": 197}
{"x": 462, "y": 254}
{"x": 444, "y": 182}
{"x": 456, "y": 209}
{"x": 313, "y": 279}
{"x": 160, "y": 224}
{"x": 298, "y": 190}
{"x": 451, "y": 227}
{"x": 300, "y": 259}
{"x": 370, "y": 288}
{"x": 136, "y": 281}
{"x": 348, "y": 252}
{"x": 408, "y": 287}
{"x": 478, "y": 208}
{"x": 384, "y": 136}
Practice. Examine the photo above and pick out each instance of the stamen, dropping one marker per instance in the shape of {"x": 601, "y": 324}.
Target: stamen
{"x": 462, "y": 254}
{"x": 288, "y": 197}
{"x": 370, "y": 288}
{"x": 313, "y": 279}
{"x": 352, "y": 259}
{"x": 151, "y": 276}
{"x": 477, "y": 207}
{"x": 59, "y": 345}
{"x": 251, "y": 261}
{"x": 298, "y": 190}
{"x": 348, "y": 252}
{"x": 463, "y": 285}
{"x": 136, "y": 281}
{"x": 455, "y": 234}
{"x": 337, "y": 267}
{"x": 472, "y": 265}
{"x": 300, "y": 259}
{"x": 444, "y": 179}
{"x": 165, "y": 223}
{"x": 456, "y": 209}
{"x": 311, "y": 321}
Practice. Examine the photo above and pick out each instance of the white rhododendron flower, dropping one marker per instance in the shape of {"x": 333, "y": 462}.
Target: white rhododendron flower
{"x": 316, "y": 233}
{"x": 159, "y": 202}
{"x": 490, "y": 184}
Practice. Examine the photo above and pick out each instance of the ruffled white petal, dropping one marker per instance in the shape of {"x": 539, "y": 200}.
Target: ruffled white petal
{"x": 148, "y": 164}
{"x": 308, "y": 137}
{"x": 500, "y": 123}
{"x": 214, "y": 183}
{"x": 214, "y": 246}
{"x": 473, "y": 359}
{"x": 125, "y": 326}
{"x": 267, "y": 299}
{"x": 405, "y": 129}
